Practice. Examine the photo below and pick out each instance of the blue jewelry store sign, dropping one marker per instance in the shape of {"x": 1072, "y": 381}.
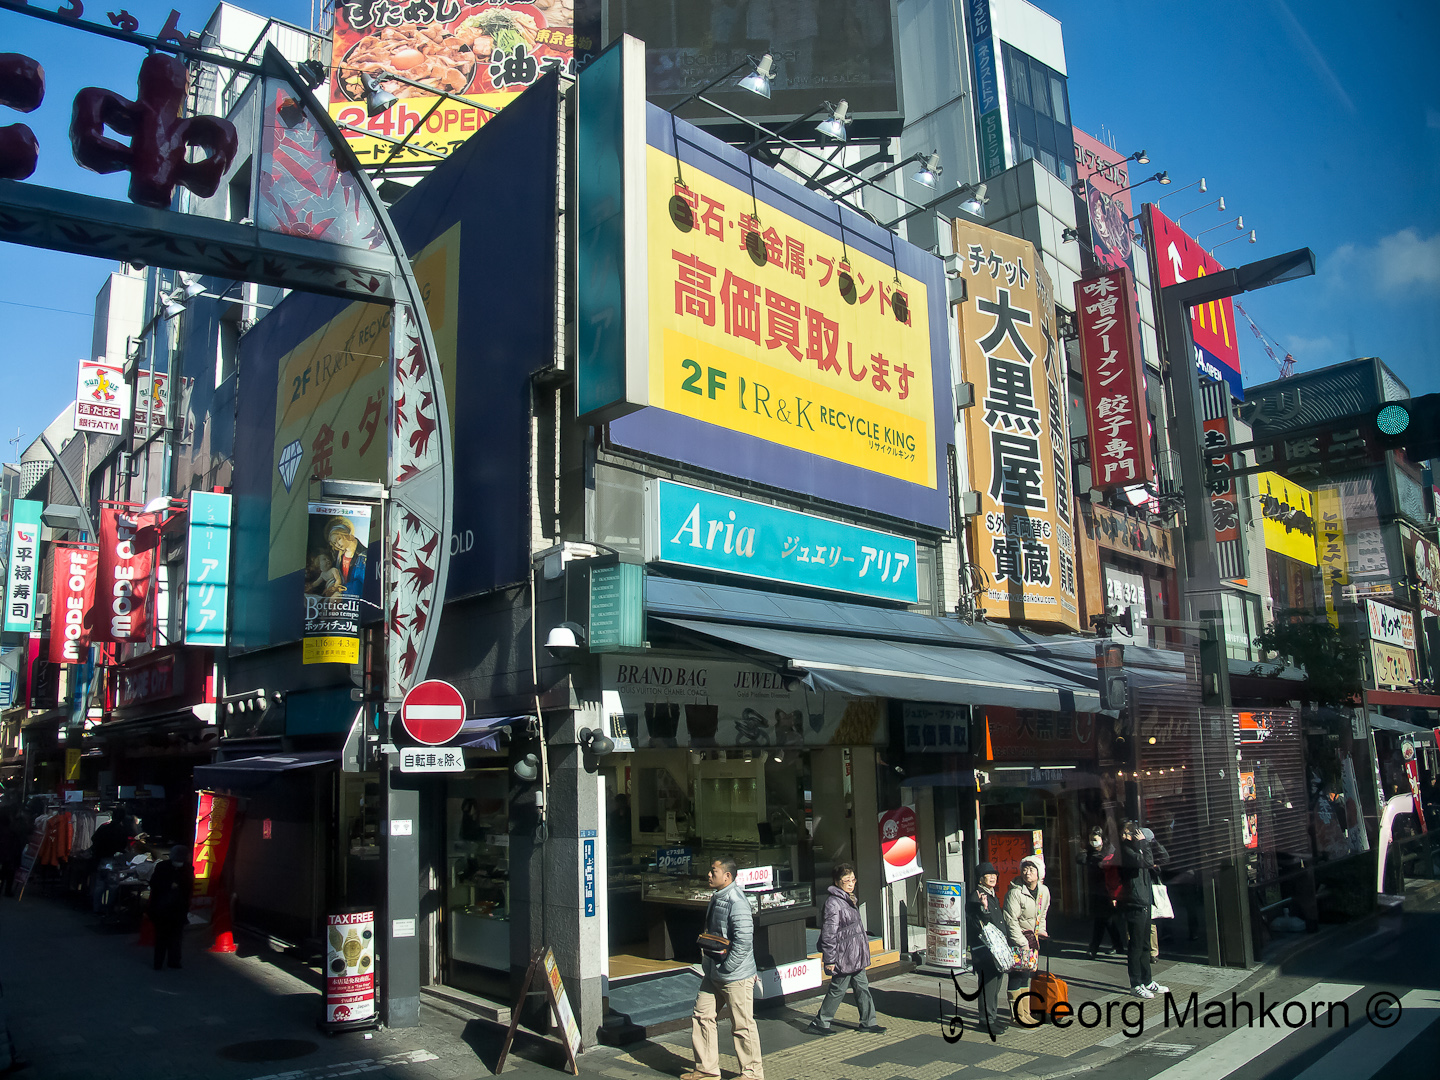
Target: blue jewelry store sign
{"x": 690, "y": 526}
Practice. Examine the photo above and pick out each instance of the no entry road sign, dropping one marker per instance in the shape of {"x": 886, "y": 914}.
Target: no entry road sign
{"x": 433, "y": 712}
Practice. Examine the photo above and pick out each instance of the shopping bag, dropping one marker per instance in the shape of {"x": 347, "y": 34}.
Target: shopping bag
{"x": 1024, "y": 958}
{"x": 1049, "y": 990}
{"x": 1160, "y": 902}
{"x": 996, "y": 945}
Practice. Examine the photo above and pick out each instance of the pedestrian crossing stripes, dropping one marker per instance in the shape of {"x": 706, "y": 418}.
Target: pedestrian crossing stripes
{"x": 1362, "y": 1053}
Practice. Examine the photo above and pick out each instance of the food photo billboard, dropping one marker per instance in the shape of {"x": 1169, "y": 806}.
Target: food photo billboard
{"x": 764, "y": 332}
{"x": 1018, "y": 439}
{"x": 485, "y": 52}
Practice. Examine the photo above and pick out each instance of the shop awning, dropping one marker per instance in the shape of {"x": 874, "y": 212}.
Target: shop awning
{"x": 876, "y": 667}
{"x": 483, "y": 733}
{"x": 1402, "y": 699}
{"x": 1400, "y": 727}
{"x": 256, "y": 772}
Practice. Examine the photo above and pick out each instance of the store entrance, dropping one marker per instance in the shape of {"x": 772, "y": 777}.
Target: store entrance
{"x": 475, "y": 867}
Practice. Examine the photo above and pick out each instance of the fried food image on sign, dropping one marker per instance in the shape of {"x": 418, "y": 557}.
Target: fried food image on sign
{"x": 425, "y": 52}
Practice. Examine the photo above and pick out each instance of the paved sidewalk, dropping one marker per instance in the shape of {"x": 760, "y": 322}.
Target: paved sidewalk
{"x": 83, "y": 1002}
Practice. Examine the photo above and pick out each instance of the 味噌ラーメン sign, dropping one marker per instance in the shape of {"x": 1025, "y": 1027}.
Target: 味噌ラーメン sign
{"x": 1018, "y": 436}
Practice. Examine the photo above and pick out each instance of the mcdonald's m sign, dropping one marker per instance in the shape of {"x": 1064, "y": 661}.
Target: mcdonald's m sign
{"x": 1177, "y": 256}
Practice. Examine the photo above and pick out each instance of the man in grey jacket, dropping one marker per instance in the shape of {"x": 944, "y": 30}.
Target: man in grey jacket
{"x": 729, "y": 976}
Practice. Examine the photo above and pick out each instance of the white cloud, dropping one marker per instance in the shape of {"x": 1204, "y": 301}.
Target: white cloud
{"x": 1398, "y": 263}
{"x": 1308, "y": 348}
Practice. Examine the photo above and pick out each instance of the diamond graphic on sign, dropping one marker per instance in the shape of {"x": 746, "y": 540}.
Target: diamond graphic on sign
{"x": 290, "y": 462}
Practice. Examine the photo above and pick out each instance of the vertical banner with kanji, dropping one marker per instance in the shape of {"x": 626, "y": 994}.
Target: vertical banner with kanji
{"x": 72, "y": 595}
{"x": 335, "y": 560}
{"x": 1114, "y": 381}
{"x": 207, "y": 579}
{"x": 122, "y": 611}
{"x": 22, "y": 573}
{"x": 1017, "y": 434}
{"x": 214, "y": 824}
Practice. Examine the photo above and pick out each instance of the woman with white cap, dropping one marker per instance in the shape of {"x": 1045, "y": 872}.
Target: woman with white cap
{"x": 1026, "y": 905}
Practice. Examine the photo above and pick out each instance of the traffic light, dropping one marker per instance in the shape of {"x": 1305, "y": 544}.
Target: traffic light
{"x": 1412, "y": 426}
{"x": 1110, "y": 660}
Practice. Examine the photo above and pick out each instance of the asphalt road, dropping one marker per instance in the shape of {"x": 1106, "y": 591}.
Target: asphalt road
{"x": 1384, "y": 979}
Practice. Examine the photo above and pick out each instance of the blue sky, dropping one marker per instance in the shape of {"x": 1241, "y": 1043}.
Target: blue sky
{"x": 1318, "y": 121}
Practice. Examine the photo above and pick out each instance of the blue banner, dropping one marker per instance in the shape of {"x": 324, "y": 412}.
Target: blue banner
{"x": 588, "y": 875}
{"x": 704, "y": 529}
{"x": 208, "y": 569}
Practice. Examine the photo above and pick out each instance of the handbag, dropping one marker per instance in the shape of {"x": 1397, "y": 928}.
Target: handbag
{"x": 997, "y": 946}
{"x": 1026, "y": 957}
{"x": 713, "y": 944}
{"x": 1050, "y": 989}
{"x": 1160, "y": 907}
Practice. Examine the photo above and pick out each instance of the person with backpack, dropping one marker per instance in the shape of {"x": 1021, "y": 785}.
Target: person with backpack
{"x": 1137, "y": 876}
{"x": 845, "y": 954}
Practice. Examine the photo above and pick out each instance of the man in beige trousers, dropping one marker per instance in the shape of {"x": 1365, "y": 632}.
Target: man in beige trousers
{"x": 729, "y": 977}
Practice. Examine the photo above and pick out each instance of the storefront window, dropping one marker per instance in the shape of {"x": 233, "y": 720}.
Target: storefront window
{"x": 477, "y": 868}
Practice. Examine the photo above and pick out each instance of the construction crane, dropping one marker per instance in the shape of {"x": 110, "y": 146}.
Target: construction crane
{"x": 1286, "y": 366}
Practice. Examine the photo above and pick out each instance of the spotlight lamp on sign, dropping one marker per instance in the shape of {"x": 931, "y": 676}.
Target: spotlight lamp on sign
{"x": 1219, "y": 204}
{"x": 834, "y": 126}
{"x": 1159, "y": 177}
{"x": 758, "y": 81}
{"x": 312, "y": 72}
{"x": 929, "y": 171}
{"x": 596, "y": 742}
{"x": 1238, "y": 222}
{"x": 565, "y": 641}
{"x": 1250, "y": 238}
{"x": 377, "y": 98}
{"x": 1199, "y": 185}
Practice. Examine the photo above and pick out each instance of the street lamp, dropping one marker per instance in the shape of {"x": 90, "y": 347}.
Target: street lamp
{"x": 1238, "y": 221}
{"x": 1139, "y": 157}
{"x": 929, "y": 170}
{"x": 1162, "y": 177}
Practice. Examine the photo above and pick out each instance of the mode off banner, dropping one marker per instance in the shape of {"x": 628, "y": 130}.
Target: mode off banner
{"x": 1017, "y": 436}
{"x": 123, "y": 585}
{"x": 72, "y": 595}
{"x": 335, "y": 558}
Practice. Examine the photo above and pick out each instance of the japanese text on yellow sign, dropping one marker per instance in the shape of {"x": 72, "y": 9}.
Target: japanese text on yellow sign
{"x": 771, "y": 345}
{"x": 1289, "y": 514}
{"x": 1018, "y": 438}
{"x": 1330, "y": 547}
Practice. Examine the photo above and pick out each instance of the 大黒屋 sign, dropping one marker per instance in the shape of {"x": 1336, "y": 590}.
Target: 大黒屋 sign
{"x": 705, "y": 529}
{"x": 1018, "y": 438}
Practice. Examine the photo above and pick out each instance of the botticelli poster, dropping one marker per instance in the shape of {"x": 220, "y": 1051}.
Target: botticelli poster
{"x": 1017, "y": 435}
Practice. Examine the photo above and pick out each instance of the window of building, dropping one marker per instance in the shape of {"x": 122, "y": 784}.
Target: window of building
{"x": 1039, "y": 106}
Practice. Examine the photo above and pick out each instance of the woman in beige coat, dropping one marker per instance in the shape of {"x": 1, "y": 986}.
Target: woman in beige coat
{"x": 1027, "y": 903}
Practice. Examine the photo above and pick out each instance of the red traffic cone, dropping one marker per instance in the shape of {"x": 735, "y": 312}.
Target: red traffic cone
{"x": 220, "y": 923}
{"x": 147, "y": 931}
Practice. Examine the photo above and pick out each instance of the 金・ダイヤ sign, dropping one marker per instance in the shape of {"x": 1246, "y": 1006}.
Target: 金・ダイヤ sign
{"x": 1018, "y": 437}
{"x": 1114, "y": 383}
{"x": 753, "y": 329}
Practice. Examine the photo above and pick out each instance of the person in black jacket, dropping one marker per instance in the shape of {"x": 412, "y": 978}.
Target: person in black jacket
{"x": 171, "y": 887}
{"x": 1137, "y": 874}
{"x": 983, "y": 908}
{"x": 1102, "y": 884}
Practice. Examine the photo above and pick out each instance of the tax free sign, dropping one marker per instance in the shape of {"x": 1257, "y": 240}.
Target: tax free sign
{"x": 693, "y": 527}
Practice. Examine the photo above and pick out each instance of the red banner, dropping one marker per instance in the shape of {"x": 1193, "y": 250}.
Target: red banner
{"x": 1180, "y": 258}
{"x": 72, "y": 593}
{"x": 127, "y": 543}
{"x": 214, "y": 825}
{"x": 1114, "y": 382}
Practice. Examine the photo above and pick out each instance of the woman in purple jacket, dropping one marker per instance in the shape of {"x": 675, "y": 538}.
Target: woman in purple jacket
{"x": 845, "y": 952}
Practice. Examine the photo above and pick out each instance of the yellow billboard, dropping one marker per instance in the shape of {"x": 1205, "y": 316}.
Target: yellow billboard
{"x": 763, "y": 324}
{"x": 332, "y": 405}
{"x": 1017, "y": 432}
{"x": 1288, "y": 511}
